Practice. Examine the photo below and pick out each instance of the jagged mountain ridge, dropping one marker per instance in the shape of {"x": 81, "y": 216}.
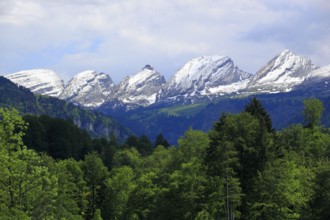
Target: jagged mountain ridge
{"x": 39, "y": 81}
{"x": 321, "y": 73}
{"x": 141, "y": 88}
{"x": 317, "y": 82}
{"x": 282, "y": 73}
{"x": 88, "y": 88}
{"x": 92, "y": 89}
{"x": 202, "y": 78}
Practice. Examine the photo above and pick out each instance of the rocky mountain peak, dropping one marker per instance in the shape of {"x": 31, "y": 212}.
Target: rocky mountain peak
{"x": 88, "y": 88}
{"x": 140, "y": 88}
{"x": 148, "y": 67}
{"x": 282, "y": 72}
{"x": 39, "y": 81}
{"x": 204, "y": 76}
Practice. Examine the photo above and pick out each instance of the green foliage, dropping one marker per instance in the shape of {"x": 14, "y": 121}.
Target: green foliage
{"x": 241, "y": 169}
{"x": 188, "y": 186}
{"x": 27, "y": 188}
{"x": 282, "y": 190}
{"x": 97, "y": 215}
{"x": 187, "y": 183}
{"x": 311, "y": 145}
{"x": 142, "y": 144}
{"x": 162, "y": 160}
{"x": 118, "y": 189}
{"x": 146, "y": 197}
{"x": 313, "y": 109}
{"x": 72, "y": 188}
{"x": 44, "y": 135}
{"x": 13, "y": 96}
{"x": 320, "y": 202}
{"x": 62, "y": 139}
{"x": 127, "y": 157}
{"x": 222, "y": 160}
{"x": 95, "y": 174}
{"x": 193, "y": 145}
{"x": 106, "y": 148}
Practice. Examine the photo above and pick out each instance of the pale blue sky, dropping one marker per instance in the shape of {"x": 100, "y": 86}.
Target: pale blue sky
{"x": 119, "y": 37}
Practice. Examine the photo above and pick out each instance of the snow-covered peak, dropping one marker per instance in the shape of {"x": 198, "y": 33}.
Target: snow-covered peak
{"x": 285, "y": 52}
{"x": 283, "y": 72}
{"x": 135, "y": 81}
{"x": 323, "y": 72}
{"x": 316, "y": 81}
{"x": 86, "y": 75}
{"x": 198, "y": 68}
{"x": 206, "y": 75}
{"x": 140, "y": 88}
{"x": 88, "y": 88}
{"x": 91, "y": 77}
{"x": 39, "y": 81}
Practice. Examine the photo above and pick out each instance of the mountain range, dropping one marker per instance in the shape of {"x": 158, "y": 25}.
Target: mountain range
{"x": 195, "y": 96}
{"x": 204, "y": 78}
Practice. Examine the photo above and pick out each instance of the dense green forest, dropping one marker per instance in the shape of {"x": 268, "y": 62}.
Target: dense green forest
{"x": 241, "y": 169}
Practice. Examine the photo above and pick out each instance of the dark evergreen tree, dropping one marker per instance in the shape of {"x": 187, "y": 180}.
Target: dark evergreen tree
{"x": 106, "y": 149}
{"x": 256, "y": 109}
{"x": 160, "y": 140}
{"x": 262, "y": 147}
{"x": 36, "y": 135}
{"x": 142, "y": 144}
{"x": 222, "y": 162}
{"x": 265, "y": 133}
{"x": 212, "y": 156}
{"x": 59, "y": 138}
{"x": 131, "y": 141}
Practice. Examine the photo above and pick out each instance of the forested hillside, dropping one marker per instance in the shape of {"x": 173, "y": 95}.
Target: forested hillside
{"x": 22, "y": 99}
{"x": 173, "y": 120}
{"x": 241, "y": 169}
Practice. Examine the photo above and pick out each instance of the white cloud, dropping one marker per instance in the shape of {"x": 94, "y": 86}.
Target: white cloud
{"x": 121, "y": 36}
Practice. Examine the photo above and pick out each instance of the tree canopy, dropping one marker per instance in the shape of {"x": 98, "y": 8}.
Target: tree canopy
{"x": 240, "y": 169}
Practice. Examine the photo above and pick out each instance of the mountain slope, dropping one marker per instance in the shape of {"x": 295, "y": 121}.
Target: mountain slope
{"x": 39, "y": 81}
{"x": 321, "y": 73}
{"x": 96, "y": 124}
{"x": 140, "y": 88}
{"x": 88, "y": 88}
{"x": 205, "y": 76}
{"x": 172, "y": 121}
{"x": 317, "y": 82}
{"x": 19, "y": 97}
{"x": 281, "y": 73}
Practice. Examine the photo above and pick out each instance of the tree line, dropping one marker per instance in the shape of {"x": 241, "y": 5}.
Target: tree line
{"x": 241, "y": 169}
